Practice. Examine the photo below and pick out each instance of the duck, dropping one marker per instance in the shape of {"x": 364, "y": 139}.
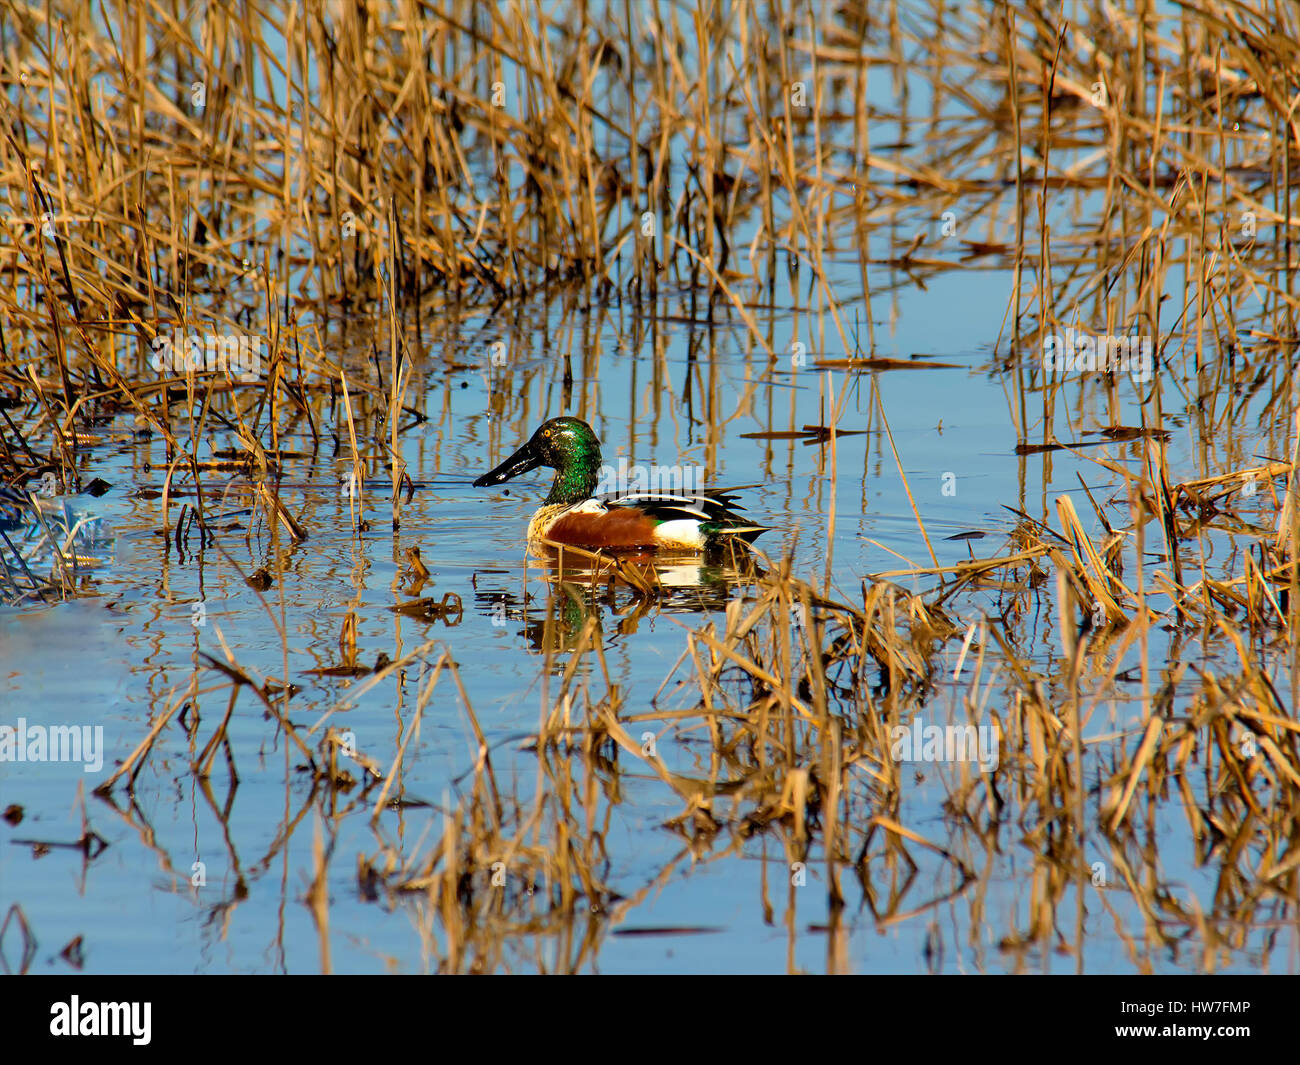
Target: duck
{"x": 572, "y": 513}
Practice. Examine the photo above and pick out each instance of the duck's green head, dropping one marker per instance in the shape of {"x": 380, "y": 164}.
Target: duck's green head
{"x": 566, "y": 445}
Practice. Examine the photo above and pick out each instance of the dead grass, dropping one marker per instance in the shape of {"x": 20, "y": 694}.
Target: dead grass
{"x": 1135, "y": 175}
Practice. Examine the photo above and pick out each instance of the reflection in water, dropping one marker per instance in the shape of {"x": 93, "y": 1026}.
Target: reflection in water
{"x": 580, "y": 585}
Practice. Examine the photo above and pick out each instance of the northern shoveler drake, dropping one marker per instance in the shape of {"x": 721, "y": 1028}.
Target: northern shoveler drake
{"x": 572, "y": 514}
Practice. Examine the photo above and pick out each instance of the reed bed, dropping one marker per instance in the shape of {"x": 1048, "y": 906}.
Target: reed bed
{"x": 386, "y": 195}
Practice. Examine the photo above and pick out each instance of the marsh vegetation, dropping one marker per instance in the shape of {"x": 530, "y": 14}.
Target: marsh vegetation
{"x": 821, "y": 250}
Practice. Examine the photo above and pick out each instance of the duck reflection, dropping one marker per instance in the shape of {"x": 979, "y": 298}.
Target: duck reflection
{"x": 572, "y": 586}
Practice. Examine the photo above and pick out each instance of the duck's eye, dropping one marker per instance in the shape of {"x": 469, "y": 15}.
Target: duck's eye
{"x": 546, "y": 433}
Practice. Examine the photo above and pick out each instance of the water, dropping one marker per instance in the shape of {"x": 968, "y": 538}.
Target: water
{"x": 213, "y": 873}
{"x": 119, "y": 655}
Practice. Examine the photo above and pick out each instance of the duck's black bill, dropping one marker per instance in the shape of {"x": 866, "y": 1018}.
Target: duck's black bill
{"x": 523, "y": 460}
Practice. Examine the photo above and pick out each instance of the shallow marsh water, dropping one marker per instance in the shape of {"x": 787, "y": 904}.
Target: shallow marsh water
{"x": 255, "y": 866}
